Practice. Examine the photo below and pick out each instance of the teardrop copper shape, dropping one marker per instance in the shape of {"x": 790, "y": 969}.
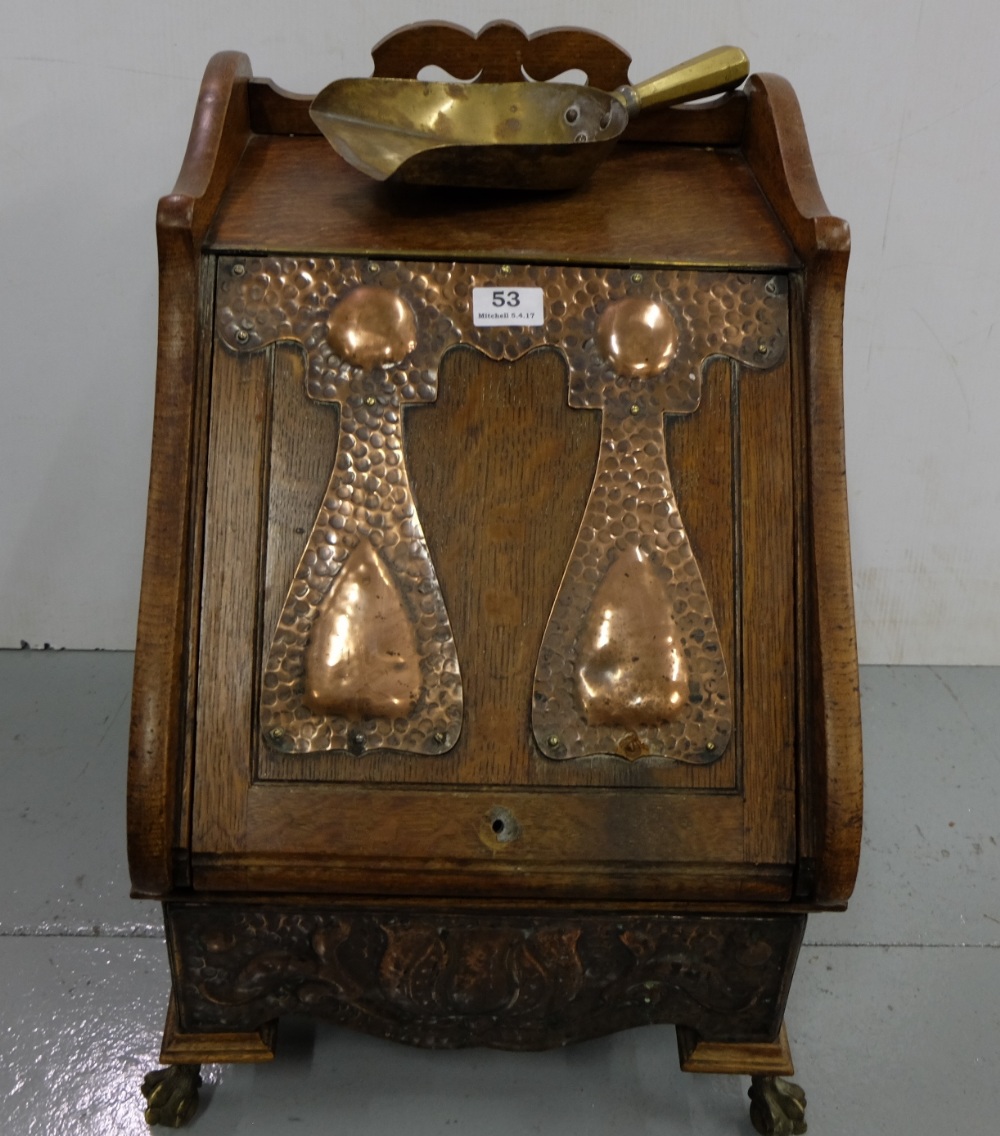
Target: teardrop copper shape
{"x": 362, "y": 659}
{"x": 631, "y": 667}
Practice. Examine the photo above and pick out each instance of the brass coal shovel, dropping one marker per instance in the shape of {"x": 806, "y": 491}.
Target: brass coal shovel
{"x": 504, "y": 135}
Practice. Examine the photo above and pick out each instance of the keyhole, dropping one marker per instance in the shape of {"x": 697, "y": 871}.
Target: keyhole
{"x": 503, "y": 825}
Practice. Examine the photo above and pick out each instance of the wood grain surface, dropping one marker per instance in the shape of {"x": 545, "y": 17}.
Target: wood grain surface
{"x": 158, "y": 737}
{"x": 645, "y": 205}
{"x": 778, "y": 153}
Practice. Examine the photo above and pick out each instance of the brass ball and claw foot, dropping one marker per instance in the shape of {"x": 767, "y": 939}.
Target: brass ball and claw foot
{"x": 171, "y": 1094}
{"x": 777, "y": 1107}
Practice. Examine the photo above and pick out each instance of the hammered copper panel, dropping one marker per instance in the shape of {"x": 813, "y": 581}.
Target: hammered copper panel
{"x": 632, "y": 558}
{"x": 632, "y": 505}
{"x": 357, "y": 336}
{"x": 631, "y": 663}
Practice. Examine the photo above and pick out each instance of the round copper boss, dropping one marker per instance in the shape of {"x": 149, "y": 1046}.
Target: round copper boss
{"x": 372, "y": 327}
{"x": 637, "y": 336}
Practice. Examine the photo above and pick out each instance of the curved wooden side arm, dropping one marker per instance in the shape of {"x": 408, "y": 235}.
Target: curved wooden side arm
{"x": 778, "y": 152}
{"x": 157, "y": 738}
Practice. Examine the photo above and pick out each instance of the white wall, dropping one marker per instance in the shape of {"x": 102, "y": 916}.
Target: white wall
{"x": 901, "y": 102}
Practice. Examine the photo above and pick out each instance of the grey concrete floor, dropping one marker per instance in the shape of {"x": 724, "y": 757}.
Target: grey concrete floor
{"x": 894, "y": 1016}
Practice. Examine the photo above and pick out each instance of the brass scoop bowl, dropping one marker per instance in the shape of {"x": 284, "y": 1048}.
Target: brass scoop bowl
{"x": 502, "y": 135}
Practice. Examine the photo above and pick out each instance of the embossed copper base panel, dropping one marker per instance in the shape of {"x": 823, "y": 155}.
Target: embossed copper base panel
{"x": 507, "y": 980}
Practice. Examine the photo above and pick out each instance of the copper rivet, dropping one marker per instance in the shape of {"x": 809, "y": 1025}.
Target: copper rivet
{"x": 242, "y": 336}
{"x": 634, "y": 408}
{"x": 239, "y": 269}
{"x": 553, "y": 740}
{"x": 636, "y": 277}
{"x": 506, "y": 269}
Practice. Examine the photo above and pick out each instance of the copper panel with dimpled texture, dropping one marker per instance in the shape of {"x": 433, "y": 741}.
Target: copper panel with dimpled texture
{"x": 631, "y": 510}
{"x": 631, "y": 663}
{"x": 632, "y": 611}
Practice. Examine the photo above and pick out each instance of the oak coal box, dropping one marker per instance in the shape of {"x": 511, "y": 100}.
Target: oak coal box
{"x": 496, "y": 680}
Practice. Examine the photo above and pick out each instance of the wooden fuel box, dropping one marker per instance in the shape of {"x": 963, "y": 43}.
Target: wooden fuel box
{"x": 496, "y": 680}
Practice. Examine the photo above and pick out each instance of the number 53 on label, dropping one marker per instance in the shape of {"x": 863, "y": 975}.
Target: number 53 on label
{"x": 520, "y": 307}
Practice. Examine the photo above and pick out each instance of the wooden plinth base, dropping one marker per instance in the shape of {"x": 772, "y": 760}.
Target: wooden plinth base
{"x": 759, "y": 1058}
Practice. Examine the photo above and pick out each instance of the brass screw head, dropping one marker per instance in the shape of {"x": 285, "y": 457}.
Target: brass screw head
{"x": 506, "y": 269}
{"x": 242, "y": 335}
{"x": 374, "y": 267}
{"x": 357, "y": 738}
{"x": 762, "y": 348}
{"x": 552, "y": 741}
{"x": 636, "y": 277}
{"x": 239, "y": 269}
{"x": 634, "y": 408}
{"x": 370, "y": 400}
{"x": 277, "y": 734}
{"x": 440, "y": 737}
{"x": 710, "y": 747}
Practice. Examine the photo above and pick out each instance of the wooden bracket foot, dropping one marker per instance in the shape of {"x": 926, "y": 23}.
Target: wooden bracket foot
{"x": 777, "y": 1106}
{"x": 180, "y": 1047}
{"x": 764, "y": 1058}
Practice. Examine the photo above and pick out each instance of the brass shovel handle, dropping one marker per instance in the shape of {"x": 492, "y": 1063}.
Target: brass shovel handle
{"x": 707, "y": 74}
